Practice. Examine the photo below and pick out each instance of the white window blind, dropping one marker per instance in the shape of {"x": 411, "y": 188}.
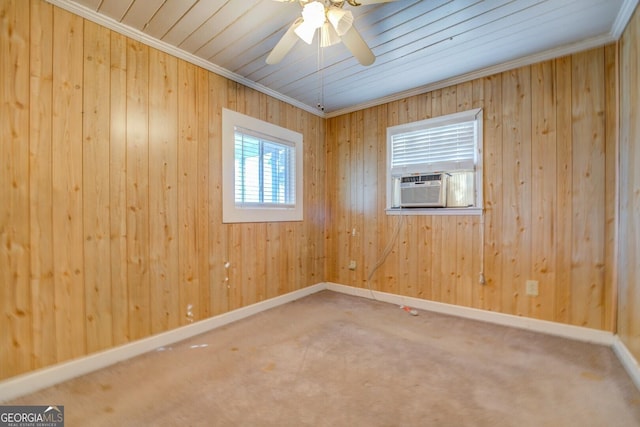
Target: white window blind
{"x": 447, "y": 147}
{"x": 264, "y": 170}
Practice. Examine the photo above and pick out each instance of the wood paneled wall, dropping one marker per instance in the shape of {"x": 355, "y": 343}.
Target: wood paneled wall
{"x": 629, "y": 248}
{"x": 110, "y": 192}
{"x": 549, "y": 197}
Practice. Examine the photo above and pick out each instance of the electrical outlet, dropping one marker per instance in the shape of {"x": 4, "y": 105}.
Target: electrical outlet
{"x": 532, "y": 287}
{"x": 352, "y": 265}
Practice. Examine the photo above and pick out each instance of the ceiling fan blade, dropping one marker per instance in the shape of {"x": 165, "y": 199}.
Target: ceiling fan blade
{"x": 285, "y": 44}
{"x": 358, "y": 48}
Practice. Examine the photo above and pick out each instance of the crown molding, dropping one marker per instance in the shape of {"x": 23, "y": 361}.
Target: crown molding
{"x": 134, "y": 34}
{"x": 623, "y": 18}
{"x": 535, "y": 58}
{"x": 626, "y": 12}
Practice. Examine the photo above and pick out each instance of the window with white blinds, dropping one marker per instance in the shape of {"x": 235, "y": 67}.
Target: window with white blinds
{"x": 265, "y": 170}
{"x": 261, "y": 170}
{"x": 449, "y": 147}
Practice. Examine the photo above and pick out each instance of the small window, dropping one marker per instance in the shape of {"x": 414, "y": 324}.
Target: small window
{"x": 435, "y": 165}
{"x": 262, "y": 171}
{"x": 265, "y": 171}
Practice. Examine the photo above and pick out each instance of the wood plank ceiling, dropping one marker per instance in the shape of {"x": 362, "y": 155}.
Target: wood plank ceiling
{"x": 418, "y": 44}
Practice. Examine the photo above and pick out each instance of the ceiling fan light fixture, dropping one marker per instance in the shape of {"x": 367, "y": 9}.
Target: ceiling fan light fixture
{"x": 313, "y": 17}
{"x": 328, "y": 35}
{"x": 313, "y": 14}
{"x": 335, "y": 24}
{"x": 340, "y": 19}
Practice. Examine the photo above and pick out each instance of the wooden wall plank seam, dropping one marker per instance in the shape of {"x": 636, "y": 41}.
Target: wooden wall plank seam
{"x": 16, "y": 343}
{"x": 95, "y": 186}
{"x": 67, "y": 170}
{"x": 41, "y": 191}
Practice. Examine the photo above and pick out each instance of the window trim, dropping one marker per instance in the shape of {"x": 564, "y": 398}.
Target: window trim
{"x": 477, "y": 209}
{"x": 232, "y": 213}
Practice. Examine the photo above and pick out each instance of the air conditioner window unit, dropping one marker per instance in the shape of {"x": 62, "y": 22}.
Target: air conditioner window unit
{"x": 423, "y": 190}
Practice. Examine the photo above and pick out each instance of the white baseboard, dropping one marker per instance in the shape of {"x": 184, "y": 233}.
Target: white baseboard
{"x": 28, "y": 383}
{"x": 628, "y": 361}
{"x": 46, "y": 377}
{"x": 543, "y": 326}
{"x": 578, "y": 333}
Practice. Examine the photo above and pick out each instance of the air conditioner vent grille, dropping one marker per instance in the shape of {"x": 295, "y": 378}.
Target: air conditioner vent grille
{"x": 423, "y": 190}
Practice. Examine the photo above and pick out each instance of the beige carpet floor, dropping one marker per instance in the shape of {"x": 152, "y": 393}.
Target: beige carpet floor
{"x": 336, "y": 360}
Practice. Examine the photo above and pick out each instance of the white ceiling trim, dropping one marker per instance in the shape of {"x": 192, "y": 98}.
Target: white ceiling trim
{"x": 134, "y": 34}
{"x": 621, "y": 21}
{"x": 623, "y": 18}
{"x": 505, "y": 66}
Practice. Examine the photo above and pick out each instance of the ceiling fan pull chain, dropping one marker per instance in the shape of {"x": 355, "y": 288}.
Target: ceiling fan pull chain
{"x": 320, "y": 75}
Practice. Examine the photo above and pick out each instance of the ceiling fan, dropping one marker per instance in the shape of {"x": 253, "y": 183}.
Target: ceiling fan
{"x": 335, "y": 24}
